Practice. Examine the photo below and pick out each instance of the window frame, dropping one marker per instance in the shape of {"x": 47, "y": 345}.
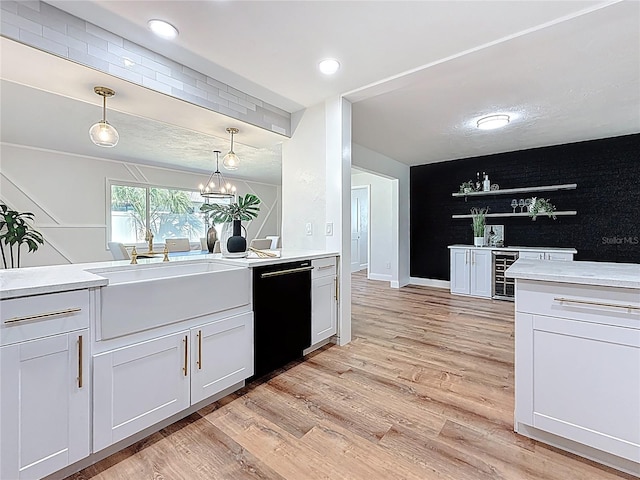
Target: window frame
{"x": 147, "y": 187}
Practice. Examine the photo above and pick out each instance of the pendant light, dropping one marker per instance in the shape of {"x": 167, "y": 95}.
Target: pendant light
{"x": 101, "y": 133}
{"x": 216, "y": 186}
{"x": 231, "y": 160}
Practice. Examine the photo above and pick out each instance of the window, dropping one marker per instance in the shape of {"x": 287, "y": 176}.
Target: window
{"x": 168, "y": 213}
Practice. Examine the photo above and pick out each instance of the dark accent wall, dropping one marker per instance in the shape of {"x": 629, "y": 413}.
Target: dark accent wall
{"x": 607, "y": 199}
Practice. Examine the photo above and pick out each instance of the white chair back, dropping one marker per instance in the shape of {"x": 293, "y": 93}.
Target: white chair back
{"x": 118, "y": 251}
{"x": 275, "y": 241}
{"x": 178, "y": 244}
{"x": 260, "y": 243}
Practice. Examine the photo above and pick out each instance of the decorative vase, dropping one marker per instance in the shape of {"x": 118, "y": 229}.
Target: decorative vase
{"x": 212, "y": 236}
{"x": 231, "y": 240}
{"x": 478, "y": 241}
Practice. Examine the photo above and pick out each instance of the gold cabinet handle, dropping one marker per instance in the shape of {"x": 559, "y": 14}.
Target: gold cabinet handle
{"x": 80, "y": 361}
{"x": 186, "y": 355}
{"x": 43, "y": 315}
{"x": 598, "y": 304}
{"x": 199, "y": 350}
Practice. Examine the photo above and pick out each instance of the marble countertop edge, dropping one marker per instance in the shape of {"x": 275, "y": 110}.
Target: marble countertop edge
{"x": 625, "y": 275}
{"x": 27, "y": 281}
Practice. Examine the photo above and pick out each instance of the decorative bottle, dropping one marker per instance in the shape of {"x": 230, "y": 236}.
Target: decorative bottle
{"x": 486, "y": 184}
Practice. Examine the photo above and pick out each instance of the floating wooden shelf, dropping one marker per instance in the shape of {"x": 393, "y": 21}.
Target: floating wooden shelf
{"x": 545, "y": 188}
{"x": 518, "y": 214}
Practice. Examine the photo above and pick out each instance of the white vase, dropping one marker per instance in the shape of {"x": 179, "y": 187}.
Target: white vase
{"x": 225, "y": 232}
{"x": 478, "y": 241}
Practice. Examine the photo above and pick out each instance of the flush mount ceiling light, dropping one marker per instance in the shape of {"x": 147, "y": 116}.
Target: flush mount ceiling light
{"x": 101, "y": 133}
{"x": 493, "y": 121}
{"x": 217, "y": 186}
{"x": 162, "y": 29}
{"x": 231, "y": 160}
{"x": 329, "y": 66}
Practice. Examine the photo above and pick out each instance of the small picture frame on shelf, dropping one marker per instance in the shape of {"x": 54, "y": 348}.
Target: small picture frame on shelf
{"x": 494, "y": 235}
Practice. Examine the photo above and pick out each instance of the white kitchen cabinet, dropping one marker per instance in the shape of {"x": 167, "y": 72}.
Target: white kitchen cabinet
{"x": 44, "y": 383}
{"x": 44, "y": 405}
{"x": 324, "y": 301}
{"x": 578, "y": 364}
{"x": 546, "y": 255}
{"x": 221, "y": 355}
{"x": 139, "y": 385}
{"x": 471, "y": 271}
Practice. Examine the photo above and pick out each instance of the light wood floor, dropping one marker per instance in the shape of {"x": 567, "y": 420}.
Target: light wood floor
{"x": 424, "y": 391}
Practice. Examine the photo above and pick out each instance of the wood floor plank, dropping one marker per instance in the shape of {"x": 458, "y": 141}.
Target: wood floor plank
{"x": 424, "y": 391}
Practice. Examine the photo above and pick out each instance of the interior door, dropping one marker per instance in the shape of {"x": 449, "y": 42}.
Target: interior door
{"x": 359, "y": 228}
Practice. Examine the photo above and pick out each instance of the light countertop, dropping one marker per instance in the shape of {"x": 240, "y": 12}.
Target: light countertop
{"x": 20, "y": 282}
{"x": 625, "y": 275}
{"x": 520, "y": 249}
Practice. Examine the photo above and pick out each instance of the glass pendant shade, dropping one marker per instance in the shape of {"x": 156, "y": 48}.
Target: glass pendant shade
{"x": 231, "y": 160}
{"x": 217, "y": 186}
{"x": 103, "y": 134}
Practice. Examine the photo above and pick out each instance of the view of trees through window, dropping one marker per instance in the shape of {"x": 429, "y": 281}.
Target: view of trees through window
{"x": 168, "y": 213}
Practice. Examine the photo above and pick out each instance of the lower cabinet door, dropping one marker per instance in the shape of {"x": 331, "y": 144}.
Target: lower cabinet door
{"x": 481, "y": 273}
{"x": 138, "y": 386}
{"x": 460, "y": 270}
{"x": 222, "y": 355}
{"x": 44, "y": 405}
{"x": 323, "y": 308}
{"x": 586, "y": 383}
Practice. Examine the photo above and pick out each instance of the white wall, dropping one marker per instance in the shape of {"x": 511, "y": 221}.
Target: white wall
{"x": 68, "y": 195}
{"x": 304, "y": 181}
{"x": 316, "y": 171}
{"x": 380, "y": 223}
{"x": 374, "y": 162}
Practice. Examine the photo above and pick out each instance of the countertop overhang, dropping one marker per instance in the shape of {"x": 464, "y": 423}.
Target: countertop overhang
{"x": 518, "y": 249}
{"x": 21, "y": 282}
{"x": 626, "y": 275}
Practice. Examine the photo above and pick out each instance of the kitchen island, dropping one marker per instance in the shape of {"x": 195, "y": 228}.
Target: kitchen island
{"x": 577, "y": 358}
{"x": 96, "y": 356}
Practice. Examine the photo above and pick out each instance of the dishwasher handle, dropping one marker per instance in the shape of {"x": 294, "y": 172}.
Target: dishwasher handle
{"x": 286, "y": 272}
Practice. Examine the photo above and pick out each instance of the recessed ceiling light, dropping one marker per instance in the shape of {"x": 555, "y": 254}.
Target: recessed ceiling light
{"x": 493, "y": 121}
{"x": 162, "y": 29}
{"x": 329, "y": 66}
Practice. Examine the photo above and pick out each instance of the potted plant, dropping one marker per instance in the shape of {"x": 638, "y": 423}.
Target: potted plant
{"x": 539, "y": 206}
{"x": 231, "y": 215}
{"x": 15, "y": 231}
{"x": 467, "y": 187}
{"x": 478, "y": 222}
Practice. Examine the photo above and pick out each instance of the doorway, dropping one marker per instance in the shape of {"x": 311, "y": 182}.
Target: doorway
{"x": 360, "y": 199}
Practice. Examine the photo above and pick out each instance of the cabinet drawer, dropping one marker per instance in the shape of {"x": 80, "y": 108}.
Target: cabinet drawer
{"x": 588, "y": 303}
{"x": 39, "y": 316}
{"x": 323, "y": 267}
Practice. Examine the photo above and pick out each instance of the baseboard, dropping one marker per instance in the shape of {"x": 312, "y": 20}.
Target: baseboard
{"x": 430, "y": 282}
{"x": 605, "y": 458}
{"x": 379, "y": 276}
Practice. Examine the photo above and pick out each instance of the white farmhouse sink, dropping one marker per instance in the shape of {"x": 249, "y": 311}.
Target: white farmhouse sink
{"x": 141, "y": 297}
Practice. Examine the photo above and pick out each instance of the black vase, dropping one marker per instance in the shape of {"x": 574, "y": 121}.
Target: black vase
{"x": 212, "y": 236}
{"x": 236, "y": 243}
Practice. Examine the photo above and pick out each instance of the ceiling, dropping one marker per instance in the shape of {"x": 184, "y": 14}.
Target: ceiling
{"x": 419, "y": 73}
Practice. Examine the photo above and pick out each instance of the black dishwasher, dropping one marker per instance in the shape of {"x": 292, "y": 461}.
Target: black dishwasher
{"x": 282, "y": 314}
